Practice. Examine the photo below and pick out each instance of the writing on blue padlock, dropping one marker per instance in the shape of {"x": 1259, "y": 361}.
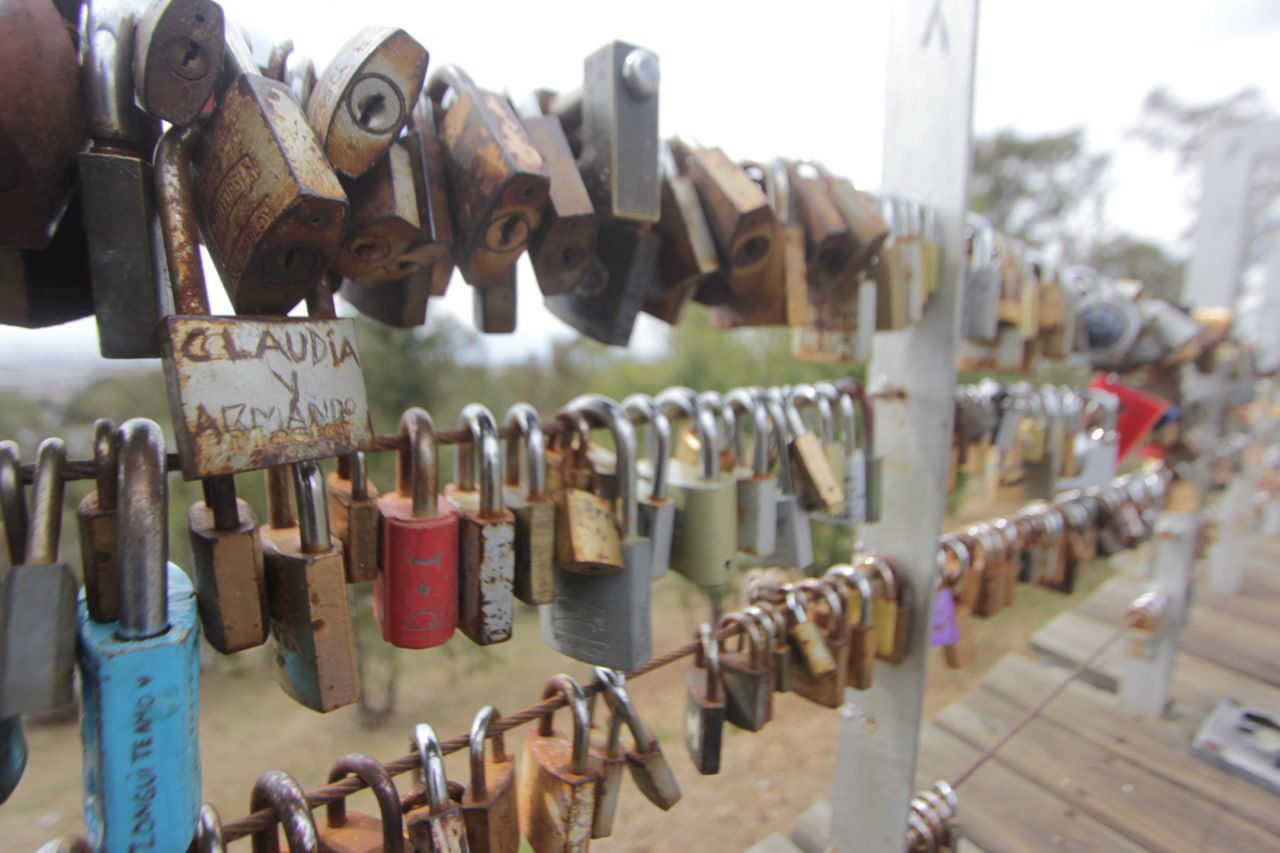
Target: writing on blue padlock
{"x": 140, "y": 674}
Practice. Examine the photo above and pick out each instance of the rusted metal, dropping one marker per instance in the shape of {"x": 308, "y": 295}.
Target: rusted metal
{"x": 687, "y": 259}
{"x": 383, "y": 220}
{"x": 829, "y": 243}
{"x": 401, "y": 303}
{"x": 562, "y": 246}
{"x": 177, "y": 57}
{"x": 176, "y": 208}
{"x": 739, "y": 214}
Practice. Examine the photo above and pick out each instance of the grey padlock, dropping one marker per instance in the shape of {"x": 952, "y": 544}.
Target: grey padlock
{"x": 793, "y": 544}
{"x": 606, "y": 301}
{"x": 657, "y": 508}
{"x": 757, "y": 486}
{"x": 605, "y": 619}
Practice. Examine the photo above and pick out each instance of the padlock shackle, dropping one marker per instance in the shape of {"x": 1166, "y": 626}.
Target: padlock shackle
{"x": 858, "y": 579}
{"x": 483, "y": 450}
{"x": 866, "y": 413}
{"x": 617, "y": 697}
{"x": 47, "y": 490}
{"x": 279, "y": 487}
{"x": 142, "y": 531}
{"x": 427, "y": 745}
{"x": 954, "y": 546}
{"x": 794, "y": 396}
{"x": 524, "y": 418}
{"x": 105, "y": 462}
{"x": 237, "y": 57}
{"x": 371, "y": 772}
{"x": 834, "y": 600}
{"x": 107, "y": 30}
{"x": 418, "y": 465}
{"x": 280, "y": 792}
{"x": 220, "y": 497}
{"x": 750, "y": 629}
{"x": 602, "y": 411}
{"x": 742, "y": 402}
{"x": 780, "y": 194}
{"x": 708, "y": 656}
{"x": 479, "y": 734}
{"x": 176, "y": 211}
{"x": 300, "y": 76}
{"x": 571, "y": 690}
{"x": 679, "y": 401}
{"x": 879, "y": 567}
{"x": 313, "y": 507}
{"x": 209, "y": 831}
{"x": 13, "y": 504}
{"x": 444, "y": 78}
{"x": 766, "y": 623}
{"x": 726, "y": 423}
{"x": 781, "y": 435}
{"x": 354, "y": 468}
{"x": 642, "y": 408}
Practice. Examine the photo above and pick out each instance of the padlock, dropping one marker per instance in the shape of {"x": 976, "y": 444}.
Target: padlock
{"x": 863, "y": 639}
{"x": 607, "y": 299}
{"x": 498, "y": 181}
{"x": 772, "y": 624}
{"x": 533, "y": 508}
{"x": 605, "y": 619}
{"x": 312, "y": 644}
{"x": 891, "y": 610}
{"x": 817, "y": 482}
{"x": 433, "y": 250}
{"x": 829, "y": 243}
{"x": 13, "y": 512}
{"x": 704, "y": 708}
{"x": 401, "y": 303}
{"x": 230, "y": 577}
{"x": 960, "y": 654}
{"x": 278, "y": 791}
{"x": 979, "y": 318}
{"x": 867, "y": 228}
{"x": 439, "y": 828}
{"x": 486, "y": 553}
{"x": 705, "y": 538}
{"x": 382, "y": 221}
{"x": 748, "y": 676}
{"x": 415, "y": 595}
{"x": 793, "y": 541}
{"x": 49, "y": 287}
{"x": 657, "y": 509}
{"x": 140, "y": 675}
{"x": 208, "y": 838}
{"x": 687, "y": 260}
{"x": 41, "y": 126}
{"x": 780, "y": 297}
{"x": 38, "y": 603}
{"x": 890, "y": 271}
{"x": 742, "y": 223}
{"x": 493, "y": 308}
{"x": 350, "y": 832}
{"x": 556, "y": 781}
{"x": 365, "y": 96}
{"x": 610, "y": 761}
{"x": 354, "y": 516}
{"x": 872, "y": 465}
{"x": 489, "y": 802}
{"x": 807, "y": 643}
{"x": 846, "y": 457}
{"x": 272, "y": 209}
{"x": 822, "y": 428}
{"x": 930, "y": 248}
{"x": 757, "y": 486}
{"x": 828, "y": 688}
{"x": 562, "y": 246}
{"x": 177, "y": 57}
{"x": 587, "y": 539}
{"x": 96, "y": 514}
{"x": 649, "y": 768}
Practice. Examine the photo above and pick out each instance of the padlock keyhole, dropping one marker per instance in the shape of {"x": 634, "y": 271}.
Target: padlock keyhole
{"x": 751, "y": 251}
{"x": 371, "y": 108}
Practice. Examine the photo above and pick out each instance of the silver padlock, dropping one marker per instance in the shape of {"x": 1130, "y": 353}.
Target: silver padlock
{"x": 605, "y": 619}
{"x": 852, "y": 458}
{"x": 757, "y": 486}
{"x": 793, "y": 542}
{"x": 657, "y": 508}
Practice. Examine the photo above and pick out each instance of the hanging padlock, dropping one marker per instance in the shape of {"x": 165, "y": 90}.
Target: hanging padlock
{"x": 849, "y": 457}
{"x": 489, "y": 802}
{"x": 687, "y": 260}
{"x": 748, "y": 678}
{"x": 433, "y": 249}
{"x": 959, "y": 654}
{"x": 930, "y": 249}
{"x": 38, "y": 602}
{"x": 562, "y": 246}
{"x": 610, "y": 761}
{"x": 354, "y": 516}
{"x": 807, "y": 643}
{"x": 587, "y": 539}
{"x": 890, "y": 271}
{"x": 649, "y": 768}
{"x": 309, "y": 395}
{"x": 350, "y": 832}
{"x": 41, "y": 127}
{"x": 705, "y": 538}
{"x": 864, "y": 455}
{"x": 704, "y": 708}
{"x": 829, "y": 243}
{"x": 439, "y": 828}
{"x": 365, "y": 97}
{"x": 497, "y": 179}
{"x": 13, "y": 512}
{"x": 141, "y": 673}
{"x": 979, "y": 319}
{"x": 177, "y": 57}
{"x": 757, "y": 487}
{"x": 780, "y": 297}
{"x": 657, "y": 509}
{"x": 867, "y": 228}
{"x": 533, "y": 508}
{"x": 312, "y": 644}
{"x": 208, "y": 838}
{"x": 486, "y": 553}
{"x": 863, "y": 638}
{"x": 96, "y": 514}
{"x": 605, "y": 619}
{"x": 382, "y": 222}
{"x": 826, "y": 688}
{"x": 738, "y": 212}
{"x": 279, "y": 792}
{"x": 556, "y": 781}
{"x": 49, "y": 287}
{"x": 227, "y": 558}
{"x": 818, "y": 483}
{"x": 415, "y": 595}
{"x": 772, "y": 624}
{"x": 793, "y": 541}
{"x": 891, "y": 609}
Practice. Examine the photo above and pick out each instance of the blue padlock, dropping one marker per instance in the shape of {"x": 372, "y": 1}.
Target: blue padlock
{"x": 141, "y": 674}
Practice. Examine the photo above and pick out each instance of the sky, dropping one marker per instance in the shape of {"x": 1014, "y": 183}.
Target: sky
{"x": 805, "y": 79}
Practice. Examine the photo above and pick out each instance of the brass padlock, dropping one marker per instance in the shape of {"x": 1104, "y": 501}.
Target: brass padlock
{"x": 354, "y": 516}
{"x": 383, "y": 219}
{"x": 587, "y": 538}
{"x": 534, "y": 509}
{"x": 489, "y": 802}
{"x": 562, "y": 246}
{"x": 807, "y": 643}
{"x": 349, "y": 832}
{"x": 97, "y": 522}
{"x": 820, "y": 486}
{"x": 365, "y": 97}
{"x": 227, "y": 558}
{"x": 497, "y": 179}
{"x": 827, "y": 688}
{"x": 738, "y": 212}
{"x": 863, "y": 636}
{"x": 556, "y": 781}
{"x": 177, "y": 57}
{"x": 439, "y": 828}
{"x": 687, "y": 260}
{"x": 891, "y": 611}
{"x": 829, "y": 243}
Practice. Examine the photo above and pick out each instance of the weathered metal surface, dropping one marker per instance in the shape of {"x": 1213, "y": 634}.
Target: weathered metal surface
{"x": 247, "y": 394}
{"x": 177, "y": 57}
{"x": 739, "y": 215}
{"x": 383, "y": 220}
{"x": 562, "y": 246}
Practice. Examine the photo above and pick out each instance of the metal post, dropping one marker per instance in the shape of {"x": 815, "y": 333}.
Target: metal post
{"x": 1227, "y": 558}
{"x": 1148, "y": 672}
{"x": 927, "y": 155}
{"x": 1213, "y": 274}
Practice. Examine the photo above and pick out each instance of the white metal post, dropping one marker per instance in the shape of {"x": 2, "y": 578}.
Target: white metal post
{"x": 1227, "y": 558}
{"x": 927, "y": 155}
{"x": 1148, "y": 671}
{"x": 1213, "y": 273}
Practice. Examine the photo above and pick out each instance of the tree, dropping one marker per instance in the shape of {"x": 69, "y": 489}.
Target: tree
{"x": 1124, "y": 256}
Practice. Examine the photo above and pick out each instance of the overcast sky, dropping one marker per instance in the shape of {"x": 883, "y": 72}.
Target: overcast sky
{"x": 807, "y": 79}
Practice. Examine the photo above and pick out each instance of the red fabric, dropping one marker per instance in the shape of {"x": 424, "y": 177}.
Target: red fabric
{"x": 1139, "y": 412}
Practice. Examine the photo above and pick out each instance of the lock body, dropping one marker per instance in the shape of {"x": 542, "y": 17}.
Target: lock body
{"x": 604, "y": 620}
{"x": 230, "y": 578}
{"x": 415, "y": 594}
{"x": 556, "y": 806}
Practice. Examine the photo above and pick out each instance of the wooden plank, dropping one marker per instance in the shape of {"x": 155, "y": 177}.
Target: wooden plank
{"x": 995, "y": 819}
{"x": 1264, "y": 611}
{"x": 1144, "y": 806}
{"x": 1071, "y": 637}
{"x": 1161, "y": 746}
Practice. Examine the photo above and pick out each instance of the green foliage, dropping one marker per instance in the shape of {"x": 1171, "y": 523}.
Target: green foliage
{"x": 1125, "y": 256}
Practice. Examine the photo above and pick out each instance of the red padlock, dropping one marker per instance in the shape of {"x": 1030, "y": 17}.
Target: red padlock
{"x": 415, "y": 595}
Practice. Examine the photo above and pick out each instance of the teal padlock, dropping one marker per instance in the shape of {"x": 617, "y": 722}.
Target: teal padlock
{"x": 140, "y": 674}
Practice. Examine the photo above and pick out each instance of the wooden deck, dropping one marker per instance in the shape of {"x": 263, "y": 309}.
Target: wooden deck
{"x": 1093, "y": 774}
